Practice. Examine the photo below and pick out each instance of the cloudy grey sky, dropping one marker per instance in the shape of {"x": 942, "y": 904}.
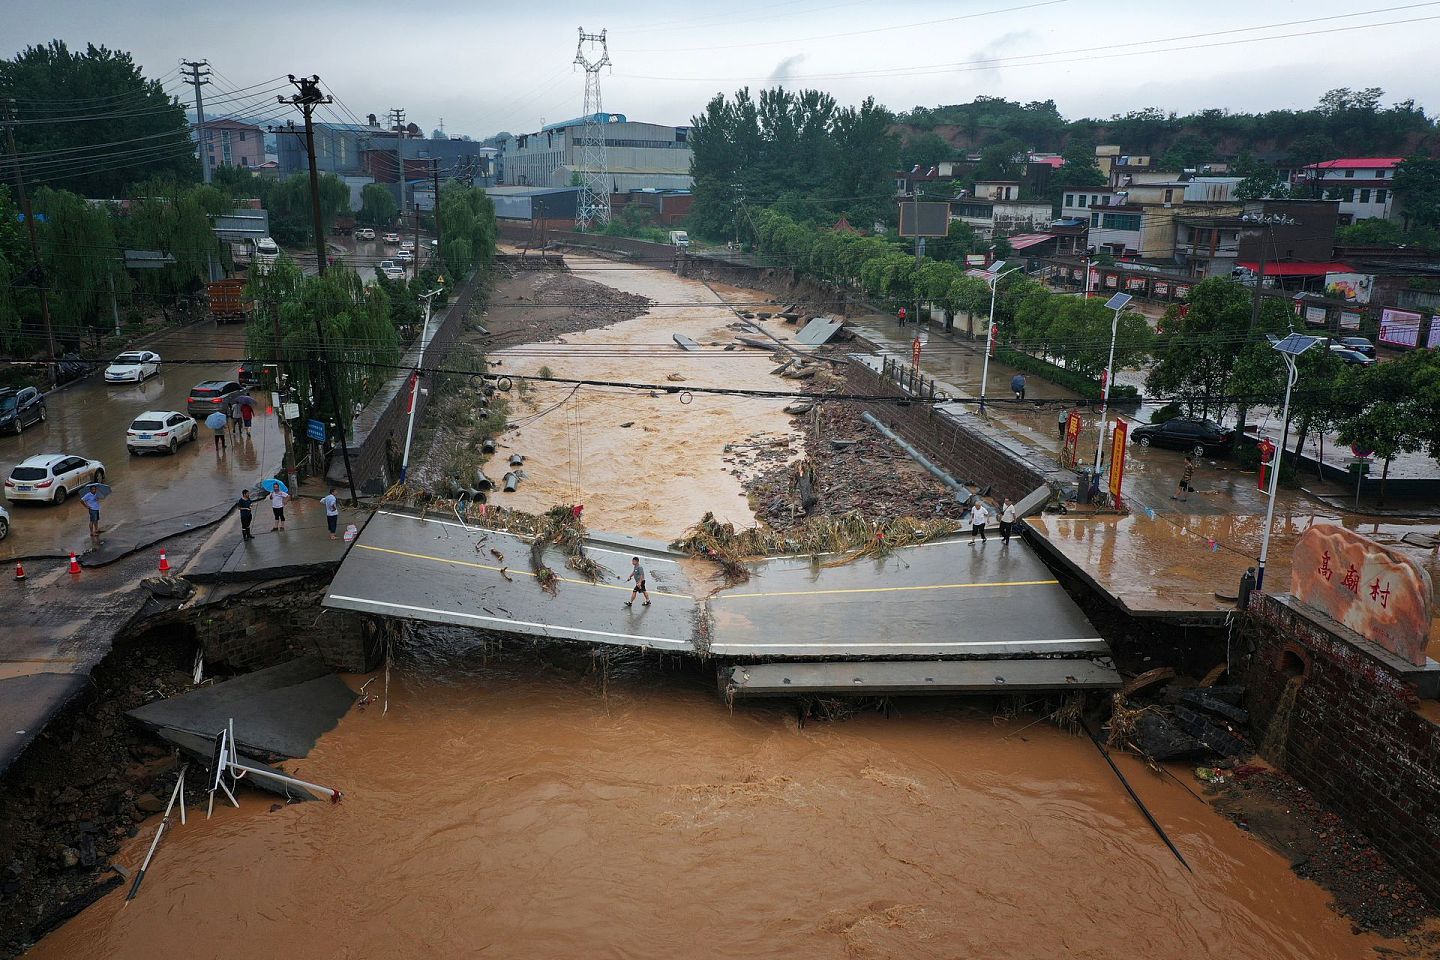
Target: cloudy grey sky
{"x": 485, "y": 67}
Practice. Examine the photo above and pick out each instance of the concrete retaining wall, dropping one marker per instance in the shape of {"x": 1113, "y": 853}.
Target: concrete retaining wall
{"x": 958, "y": 440}
{"x": 379, "y": 431}
{"x": 262, "y": 628}
{"x": 1356, "y": 739}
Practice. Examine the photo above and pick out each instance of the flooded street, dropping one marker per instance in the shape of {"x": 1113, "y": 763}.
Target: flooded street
{"x": 516, "y": 810}
{"x": 648, "y": 466}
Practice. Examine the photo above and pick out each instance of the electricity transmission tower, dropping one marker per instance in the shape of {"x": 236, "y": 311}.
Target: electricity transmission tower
{"x": 592, "y": 208}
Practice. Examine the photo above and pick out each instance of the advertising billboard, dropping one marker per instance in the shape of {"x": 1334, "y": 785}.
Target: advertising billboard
{"x": 1399, "y": 328}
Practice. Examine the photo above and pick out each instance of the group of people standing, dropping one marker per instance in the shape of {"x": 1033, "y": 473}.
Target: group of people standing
{"x": 980, "y": 515}
{"x": 278, "y": 497}
{"x": 238, "y": 418}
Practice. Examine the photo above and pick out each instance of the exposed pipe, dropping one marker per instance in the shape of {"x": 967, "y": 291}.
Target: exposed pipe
{"x": 961, "y": 494}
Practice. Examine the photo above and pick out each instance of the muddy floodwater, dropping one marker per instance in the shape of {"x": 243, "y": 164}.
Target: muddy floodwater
{"x": 516, "y": 809}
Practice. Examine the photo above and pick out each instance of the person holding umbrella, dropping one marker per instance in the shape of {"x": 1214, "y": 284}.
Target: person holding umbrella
{"x": 91, "y": 498}
{"x": 279, "y": 493}
{"x": 217, "y": 421}
{"x": 247, "y": 412}
{"x": 236, "y": 421}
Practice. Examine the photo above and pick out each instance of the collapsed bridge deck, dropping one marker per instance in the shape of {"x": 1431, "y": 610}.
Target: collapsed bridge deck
{"x": 944, "y": 600}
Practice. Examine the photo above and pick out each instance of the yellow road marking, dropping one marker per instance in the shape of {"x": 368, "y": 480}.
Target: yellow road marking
{"x": 933, "y": 586}
{"x": 523, "y": 573}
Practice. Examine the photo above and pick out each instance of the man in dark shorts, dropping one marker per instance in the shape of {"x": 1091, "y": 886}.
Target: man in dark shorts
{"x": 245, "y": 515}
{"x": 637, "y": 573}
{"x": 278, "y": 496}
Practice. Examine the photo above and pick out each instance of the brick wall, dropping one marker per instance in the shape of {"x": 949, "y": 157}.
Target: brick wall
{"x": 262, "y": 628}
{"x": 379, "y": 432}
{"x": 1355, "y": 738}
{"x": 956, "y": 440}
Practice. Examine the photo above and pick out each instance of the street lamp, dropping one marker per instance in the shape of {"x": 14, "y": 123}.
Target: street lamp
{"x": 1117, "y": 303}
{"x": 415, "y": 381}
{"x": 994, "y": 281}
{"x": 1290, "y": 347}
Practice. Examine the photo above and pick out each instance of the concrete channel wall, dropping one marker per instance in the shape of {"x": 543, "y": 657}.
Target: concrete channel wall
{"x": 379, "y": 431}
{"x": 958, "y": 440}
{"x": 1351, "y": 734}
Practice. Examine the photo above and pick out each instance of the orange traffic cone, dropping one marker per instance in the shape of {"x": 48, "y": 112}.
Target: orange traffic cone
{"x": 19, "y": 570}
{"x": 74, "y": 564}
{"x": 164, "y": 564}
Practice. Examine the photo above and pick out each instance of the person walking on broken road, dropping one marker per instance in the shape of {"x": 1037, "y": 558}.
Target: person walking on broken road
{"x": 278, "y": 496}
{"x": 979, "y": 516}
{"x": 332, "y": 511}
{"x": 1007, "y": 521}
{"x": 637, "y": 573}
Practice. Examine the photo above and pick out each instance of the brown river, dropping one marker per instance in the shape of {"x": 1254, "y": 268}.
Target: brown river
{"x": 508, "y": 806}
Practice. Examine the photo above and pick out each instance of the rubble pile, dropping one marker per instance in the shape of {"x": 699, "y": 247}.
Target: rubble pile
{"x": 856, "y": 470}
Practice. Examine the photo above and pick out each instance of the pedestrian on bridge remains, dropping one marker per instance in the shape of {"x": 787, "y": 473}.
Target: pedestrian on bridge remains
{"x": 1007, "y": 521}
{"x": 900, "y": 316}
{"x": 246, "y": 415}
{"x": 1062, "y": 421}
{"x": 979, "y": 516}
{"x": 92, "y": 503}
{"x": 637, "y": 573}
{"x": 237, "y": 419}
{"x": 245, "y": 514}
{"x": 1182, "y": 492}
{"x": 1017, "y": 383}
{"x": 278, "y": 496}
{"x": 332, "y": 511}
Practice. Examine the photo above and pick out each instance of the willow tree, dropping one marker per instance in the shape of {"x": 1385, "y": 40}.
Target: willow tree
{"x": 82, "y": 261}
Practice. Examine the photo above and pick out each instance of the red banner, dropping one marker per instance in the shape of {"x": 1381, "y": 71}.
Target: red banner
{"x": 1072, "y": 439}
{"x": 1117, "y": 458}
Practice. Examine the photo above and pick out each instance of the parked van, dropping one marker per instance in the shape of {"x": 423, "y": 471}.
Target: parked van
{"x": 679, "y": 238}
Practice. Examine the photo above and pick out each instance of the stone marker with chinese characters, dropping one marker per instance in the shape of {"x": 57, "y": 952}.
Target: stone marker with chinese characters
{"x": 1379, "y": 593}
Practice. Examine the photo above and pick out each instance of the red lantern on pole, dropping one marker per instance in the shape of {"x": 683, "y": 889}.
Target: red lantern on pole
{"x": 1267, "y": 453}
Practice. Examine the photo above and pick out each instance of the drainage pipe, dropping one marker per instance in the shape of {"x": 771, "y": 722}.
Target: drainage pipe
{"x": 961, "y": 493}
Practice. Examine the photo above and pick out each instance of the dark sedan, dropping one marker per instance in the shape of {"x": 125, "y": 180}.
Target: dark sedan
{"x": 1359, "y": 344}
{"x": 1184, "y": 433}
{"x": 20, "y": 408}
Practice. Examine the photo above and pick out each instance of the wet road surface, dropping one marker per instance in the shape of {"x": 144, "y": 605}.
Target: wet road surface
{"x": 89, "y": 419}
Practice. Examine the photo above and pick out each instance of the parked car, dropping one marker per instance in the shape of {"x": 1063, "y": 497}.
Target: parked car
{"x": 1358, "y": 344}
{"x": 1352, "y": 356}
{"x": 364, "y": 233}
{"x": 160, "y": 430}
{"x": 132, "y": 366}
{"x": 249, "y": 372}
{"x": 392, "y": 238}
{"x": 390, "y": 270}
{"x": 407, "y": 245}
{"x": 20, "y": 408}
{"x": 211, "y": 395}
{"x": 4, "y": 523}
{"x": 51, "y": 477}
{"x": 1191, "y": 434}
{"x": 266, "y": 247}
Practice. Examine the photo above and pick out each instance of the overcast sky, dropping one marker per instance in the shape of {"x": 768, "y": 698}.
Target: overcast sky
{"x": 511, "y": 69}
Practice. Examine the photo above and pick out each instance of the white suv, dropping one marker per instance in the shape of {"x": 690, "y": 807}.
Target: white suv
{"x": 364, "y": 233}
{"x": 51, "y": 477}
{"x": 160, "y": 430}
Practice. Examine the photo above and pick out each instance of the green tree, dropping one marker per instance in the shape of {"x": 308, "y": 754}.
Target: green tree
{"x": 15, "y": 304}
{"x": 82, "y": 258}
{"x": 1001, "y": 161}
{"x": 1388, "y": 414}
{"x": 377, "y": 205}
{"x": 176, "y": 221}
{"x": 1371, "y": 232}
{"x": 92, "y": 123}
{"x": 924, "y": 150}
{"x": 467, "y": 222}
{"x": 1417, "y": 183}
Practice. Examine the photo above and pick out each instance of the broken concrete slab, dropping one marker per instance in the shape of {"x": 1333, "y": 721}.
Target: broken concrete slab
{"x": 280, "y": 710}
{"x": 684, "y": 342}
{"x": 818, "y": 331}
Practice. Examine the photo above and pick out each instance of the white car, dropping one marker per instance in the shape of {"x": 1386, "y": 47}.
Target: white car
{"x": 4, "y": 523}
{"x": 160, "y": 430}
{"x": 407, "y": 245}
{"x": 266, "y": 247}
{"x": 364, "y": 233}
{"x": 389, "y": 270}
{"x": 404, "y": 256}
{"x": 392, "y": 238}
{"x": 133, "y": 366}
{"x": 51, "y": 477}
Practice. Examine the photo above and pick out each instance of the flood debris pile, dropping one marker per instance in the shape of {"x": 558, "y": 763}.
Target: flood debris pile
{"x": 853, "y": 469}
{"x": 848, "y": 537}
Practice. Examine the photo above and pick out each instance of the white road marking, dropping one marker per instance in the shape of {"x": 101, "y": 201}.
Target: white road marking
{"x": 517, "y": 536}
{"x": 717, "y": 647}
{"x": 517, "y": 623}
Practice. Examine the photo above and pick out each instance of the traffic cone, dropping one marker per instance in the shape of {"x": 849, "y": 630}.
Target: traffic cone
{"x": 164, "y": 564}
{"x": 19, "y": 570}
{"x": 74, "y": 564}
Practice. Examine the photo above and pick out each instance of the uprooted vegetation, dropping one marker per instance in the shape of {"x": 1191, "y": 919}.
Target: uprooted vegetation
{"x": 464, "y": 411}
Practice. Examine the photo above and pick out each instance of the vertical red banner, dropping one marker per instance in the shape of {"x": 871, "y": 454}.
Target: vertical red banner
{"x": 1117, "y": 458}
{"x": 1072, "y": 439}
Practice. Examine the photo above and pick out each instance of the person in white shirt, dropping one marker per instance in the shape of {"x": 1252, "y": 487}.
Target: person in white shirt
{"x": 278, "y": 496}
{"x": 1007, "y": 521}
{"x": 332, "y": 511}
{"x": 979, "y": 516}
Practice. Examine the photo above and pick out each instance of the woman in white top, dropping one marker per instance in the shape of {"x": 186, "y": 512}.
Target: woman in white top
{"x": 277, "y": 506}
{"x": 1007, "y": 520}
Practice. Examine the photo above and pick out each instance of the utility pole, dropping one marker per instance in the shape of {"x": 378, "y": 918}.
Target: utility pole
{"x": 196, "y": 79}
{"x": 398, "y": 116}
{"x": 915, "y": 225}
{"x": 307, "y": 100}
{"x": 40, "y": 282}
{"x": 292, "y": 475}
{"x": 439, "y": 236}
{"x": 415, "y": 260}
